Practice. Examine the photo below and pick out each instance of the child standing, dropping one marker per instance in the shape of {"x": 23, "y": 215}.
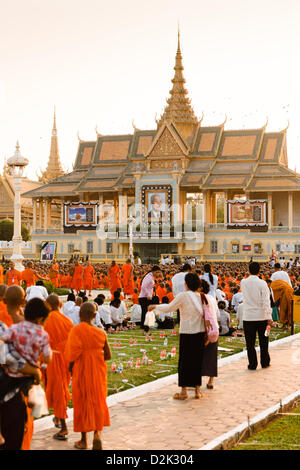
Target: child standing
{"x": 87, "y": 350}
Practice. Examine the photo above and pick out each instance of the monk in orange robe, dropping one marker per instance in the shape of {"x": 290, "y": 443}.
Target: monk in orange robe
{"x": 54, "y": 273}
{"x": 58, "y": 326}
{"x": 28, "y": 275}
{"x": 114, "y": 277}
{"x": 1, "y": 274}
{"x": 135, "y": 297}
{"x": 88, "y": 277}
{"x": 128, "y": 284}
{"x": 4, "y": 315}
{"x": 77, "y": 281}
{"x": 12, "y": 276}
{"x": 87, "y": 350}
{"x": 161, "y": 291}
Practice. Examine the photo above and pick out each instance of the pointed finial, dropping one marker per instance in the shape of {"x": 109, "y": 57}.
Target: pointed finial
{"x": 133, "y": 124}
{"x": 178, "y": 37}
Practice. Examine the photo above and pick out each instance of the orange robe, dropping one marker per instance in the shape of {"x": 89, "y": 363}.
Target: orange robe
{"x": 77, "y": 278}
{"x": 58, "y": 326}
{"x": 26, "y": 444}
{"x": 29, "y": 277}
{"x": 114, "y": 282}
{"x": 54, "y": 275}
{"x": 13, "y": 277}
{"x": 4, "y": 315}
{"x": 161, "y": 292}
{"x": 1, "y": 275}
{"x": 135, "y": 299}
{"x": 88, "y": 277}
{"x": 128, "y": 284}
{"x": 170, "y": 296}
{"x": 89, "y": 380}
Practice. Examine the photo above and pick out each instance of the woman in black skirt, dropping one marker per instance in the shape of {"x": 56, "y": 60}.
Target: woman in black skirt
{"x": 192, "y": 332}
{"x": 210, "y": 357}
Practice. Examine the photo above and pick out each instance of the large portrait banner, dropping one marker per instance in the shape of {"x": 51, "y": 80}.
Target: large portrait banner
{"x": 80, "y": 215}
{"x": 247, "y": 214}
{"x": 156, "y": 204}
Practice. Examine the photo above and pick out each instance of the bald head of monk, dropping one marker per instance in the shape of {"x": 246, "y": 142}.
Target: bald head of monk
{"x": 14, "y": 296}
{"x": 87, "y": 312}
{"x": 53, "y": 301}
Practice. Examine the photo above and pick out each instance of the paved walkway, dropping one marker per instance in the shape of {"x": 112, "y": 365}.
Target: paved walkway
{"x": 156, "y": 421}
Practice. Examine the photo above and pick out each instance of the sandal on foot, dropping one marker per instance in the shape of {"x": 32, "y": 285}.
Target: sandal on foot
{"x": 60, "y": 437}
{"x": 198, "y": 395}
{"x": 209, "y": 386}
{"x": 177, "y": 396}
{"x": 97, "y": 444}
{"x": 80, "y": 445}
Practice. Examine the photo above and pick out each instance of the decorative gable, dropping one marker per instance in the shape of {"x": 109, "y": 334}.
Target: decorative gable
{"x": 168, "y": 143}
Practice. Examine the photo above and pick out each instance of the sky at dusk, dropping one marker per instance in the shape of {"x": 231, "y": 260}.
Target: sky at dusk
{"x": 106, "y": 64}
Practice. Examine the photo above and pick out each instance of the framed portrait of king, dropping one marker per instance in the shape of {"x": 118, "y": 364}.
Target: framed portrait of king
{"x": 156, "y": 202}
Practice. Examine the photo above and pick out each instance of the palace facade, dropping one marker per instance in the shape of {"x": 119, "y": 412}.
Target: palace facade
{"x": 180, "y": 172}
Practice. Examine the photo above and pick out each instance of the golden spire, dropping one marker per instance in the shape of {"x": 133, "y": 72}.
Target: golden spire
{"x": 54, "y": 167}
{"x": 179, "y": 109}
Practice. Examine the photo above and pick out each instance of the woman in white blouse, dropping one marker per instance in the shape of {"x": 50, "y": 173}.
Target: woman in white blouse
{"x": 192, "y": 333}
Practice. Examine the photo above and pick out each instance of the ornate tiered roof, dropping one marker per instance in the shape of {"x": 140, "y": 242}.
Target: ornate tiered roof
{"x": 202, "y": 157}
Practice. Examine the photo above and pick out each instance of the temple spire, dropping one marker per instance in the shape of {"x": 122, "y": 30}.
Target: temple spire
{"x": 54, "y": 167}
{"x": 179, "y": 109}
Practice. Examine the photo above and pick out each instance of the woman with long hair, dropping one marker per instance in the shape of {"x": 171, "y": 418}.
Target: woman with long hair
{"x": 212, "y": 279}
{"x": 192, "y": 334}
{"x": 210, "y": 356}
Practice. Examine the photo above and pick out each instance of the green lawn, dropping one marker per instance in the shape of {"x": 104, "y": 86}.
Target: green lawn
{"x": 281, "y": 434}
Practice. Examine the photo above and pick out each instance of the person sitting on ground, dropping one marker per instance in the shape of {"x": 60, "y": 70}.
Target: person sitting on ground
{"x": 37, "y": 291}
{"x": 136, "y": 314}
{"x": 104, "y": 313}
{"x": 118, "y": 314}
{"x": 239, "y": 315}
{"x": 69, "y": 305}
{"x": 224, "y": 320}
{"x": 165, "y": 321}
{"x": 74, "y": 315}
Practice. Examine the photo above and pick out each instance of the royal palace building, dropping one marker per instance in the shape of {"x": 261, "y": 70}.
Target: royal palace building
{"x": 181, "y": 188}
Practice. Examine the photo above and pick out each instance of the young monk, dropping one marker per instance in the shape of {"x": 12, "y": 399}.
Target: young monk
{"x": 87, "y": 350}
{"x": 12, "y": 276}
{"x": 114, "y": 277}
{"x": 58, "y": 326}
{"x": 54, "y": 274}
{"x": 77, "y": 282}
{"x": 128, "y": 284}
{"x": 88, "y": 278}
{"x": 4, "y": 315}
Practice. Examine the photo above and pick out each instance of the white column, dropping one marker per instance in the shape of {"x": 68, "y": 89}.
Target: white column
{"x": 122, "y": 209}
{"x": 34, "y": 216}
{"x": 45, "y": 215}
{"x": 290, "y": 210}
{"x": 270, "y": 206}
{"x": 17, "y": 256}
{"x": 62, "y": 215}
{"x": 225, "y": 207}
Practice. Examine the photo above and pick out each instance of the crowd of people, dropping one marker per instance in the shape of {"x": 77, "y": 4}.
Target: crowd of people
{"x": 46, "y": 341}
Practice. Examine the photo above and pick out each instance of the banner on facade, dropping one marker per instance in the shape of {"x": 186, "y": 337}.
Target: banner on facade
{"x": 247, "y": 214}
{"x": 80, "y": 215}
{"x": 48, "y": 251}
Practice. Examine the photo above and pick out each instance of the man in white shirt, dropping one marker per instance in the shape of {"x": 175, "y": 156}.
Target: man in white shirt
{"x": 178, "y": 283}
{"x": 236, "y": 298}
{"x": 257, "y": 315}
{"x": 37, "y": 291}
{"x": 280, "y": 275}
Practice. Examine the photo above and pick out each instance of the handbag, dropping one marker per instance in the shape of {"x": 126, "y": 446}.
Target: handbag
{"x": 149, "y": 319}
{"x": 212, "y": 331}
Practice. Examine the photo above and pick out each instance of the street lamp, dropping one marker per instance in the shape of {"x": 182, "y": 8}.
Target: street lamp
{"x": 17, "y": 163}
{"x": 131, "y": 221}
